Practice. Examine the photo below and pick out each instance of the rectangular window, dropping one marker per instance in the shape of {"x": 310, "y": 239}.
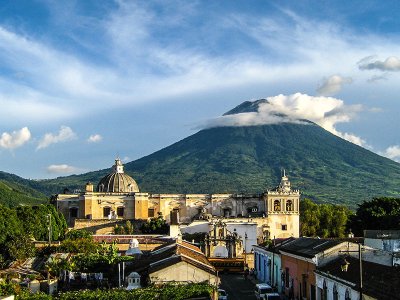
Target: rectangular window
{"x": 304, "y": 288}
{"x": 287, "y": 277}
{"x": 284, "y": 227}
{"x": 151, "y": 212}
{"x": 73, "y": 212}
{"x": 106, "y": 212}
{"x": 120, "y": 211}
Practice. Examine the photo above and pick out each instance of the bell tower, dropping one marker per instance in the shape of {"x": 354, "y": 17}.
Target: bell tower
{"x": 283, "y": 209}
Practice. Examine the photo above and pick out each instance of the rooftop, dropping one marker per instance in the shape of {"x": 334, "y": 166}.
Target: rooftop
{"x": 379, "y": 281}
{"x": 308, "y": 247}
{"x": 382, "y": 234}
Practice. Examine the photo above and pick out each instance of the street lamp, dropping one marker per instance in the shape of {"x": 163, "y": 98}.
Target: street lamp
{"x": 244, "y": 250}
{"x": 345, "y": 264}
{"x": 49, "y": 227}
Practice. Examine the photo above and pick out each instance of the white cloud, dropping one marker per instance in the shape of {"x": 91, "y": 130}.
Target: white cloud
{"x": 391, "y": 63}
{"x": 333, "y": 85}
{"x": 61, "y": 169}
{"x": 126, "y": 159}
{"x": 15, "y": 139}
{"x": 324, "y": 111}
{"x": 65, "y": 134}
{"x": 392, "y": 152}
{"x": 94, "y": 138}
{"x": 128, "y": 59}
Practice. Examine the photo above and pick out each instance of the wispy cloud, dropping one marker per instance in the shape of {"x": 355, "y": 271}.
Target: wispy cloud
{"x": 65, "y": 134}
{"x": 95, "y": 138}
{"x": 134, "y": 62}
{"x": 324, "y": 111}
{"x": 391, "y": 63}
{"x": 15, "y": 139}
{"x": 392, "y": 152}
{"x": 333, "y": 85}
{"x": 62, "y": 169}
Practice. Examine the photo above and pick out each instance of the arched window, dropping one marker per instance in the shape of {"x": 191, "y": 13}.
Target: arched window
{"x": 106, "y": 212}
{"x": 277, "y": 205}
{"x": 347, "y": 295}
{"x": 335, "y": 293}
{"x": 289, "y": 205}
{"x": 120, "y": 211}
{"x": 73, "y": 212}
{"x": 325, "y": 291}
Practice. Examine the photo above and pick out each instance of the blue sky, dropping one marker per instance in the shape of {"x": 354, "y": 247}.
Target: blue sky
{"x": 82, "y": 82}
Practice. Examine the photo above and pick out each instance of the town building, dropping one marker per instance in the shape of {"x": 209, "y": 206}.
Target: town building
{"x": 340, "y": 279}
{"x": 387, "y": 240}
{"x": 267, "y": 263}
{"x": 301, "y": 257}
{"x": 117, "y": 197}
{"x": 174, "y": 262}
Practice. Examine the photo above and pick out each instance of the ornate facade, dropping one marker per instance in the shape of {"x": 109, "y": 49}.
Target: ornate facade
{"x": 118, "y": 197}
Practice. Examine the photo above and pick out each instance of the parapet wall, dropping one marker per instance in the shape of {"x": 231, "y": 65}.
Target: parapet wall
{"x": 103, "y": 226}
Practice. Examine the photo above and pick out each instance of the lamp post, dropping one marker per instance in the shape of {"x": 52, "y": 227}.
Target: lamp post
{"x": 49, "y": 227}
{"x": 345, "y": 264}
{"x": 244, "y": 251}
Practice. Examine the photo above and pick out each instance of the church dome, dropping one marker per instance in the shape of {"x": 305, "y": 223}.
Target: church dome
{"x": 117, "y": 181}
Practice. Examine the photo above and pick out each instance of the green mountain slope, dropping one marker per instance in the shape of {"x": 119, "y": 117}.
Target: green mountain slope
{"x": 15, "y": 191}
{"x": 250, "y": 159}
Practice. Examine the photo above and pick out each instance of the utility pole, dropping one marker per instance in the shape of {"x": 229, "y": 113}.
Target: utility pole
{"x": 273, "y": 263}
{"x": 361, "y": 275}
{"x": 245, "y": 252}
{"x": 49, "y": 229}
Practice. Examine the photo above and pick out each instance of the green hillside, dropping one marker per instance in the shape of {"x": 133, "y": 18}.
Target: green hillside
{"x": 13, "y": 194}
{"x": 250, "y": 159}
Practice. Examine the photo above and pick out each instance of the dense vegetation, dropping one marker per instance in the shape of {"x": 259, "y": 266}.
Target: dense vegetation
{"x": 323, "y": 220}
{"x": 156, "y": 225}
{"x": 126, "y": 228}
{"x": 328, "y": 220}
{"x": 13, "y": 194}
{"x": 166, "y": 292}
{"x": 19, "y": 226}
{"x": 90, "y": 255}
{"x": 376, "y": 214}
{"x": 323, "y": 166}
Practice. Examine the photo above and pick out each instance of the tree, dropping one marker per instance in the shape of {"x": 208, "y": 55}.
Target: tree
{"x": 309, "y": 218}
{"x": 155, "y": 225}
{"x": 124, "y": 229}
{"x": 75, "y": 234}
{"x": 380, "y": 213}
{"x": 35, "y": 221}
{"x": 79, "y": 241}
{"x": 323, "y": 220}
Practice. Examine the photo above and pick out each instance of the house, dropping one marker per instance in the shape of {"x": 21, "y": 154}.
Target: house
{"x": 267, "y": 262}
{"x": 178, "y": 261}
{"x": 387, "y": 240}
{"x": 340, "y": 279}
{"x": 299, "y": 259}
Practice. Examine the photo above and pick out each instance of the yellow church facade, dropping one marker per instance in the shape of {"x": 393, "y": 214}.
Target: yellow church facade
{"x": 117, "y": 196}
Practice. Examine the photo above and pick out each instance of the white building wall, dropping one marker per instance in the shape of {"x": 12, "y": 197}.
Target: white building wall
{"x": 242, "y": 229}
{"x": 182, "y": 272}
{"x": 340, "y": 287}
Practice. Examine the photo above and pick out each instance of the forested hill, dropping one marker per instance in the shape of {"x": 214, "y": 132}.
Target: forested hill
{"x": 250, "y": 159}
{"x": 15, "y": 191}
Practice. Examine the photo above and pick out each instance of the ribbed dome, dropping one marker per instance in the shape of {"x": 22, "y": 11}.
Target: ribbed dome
{"x": 117, "y": 181}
